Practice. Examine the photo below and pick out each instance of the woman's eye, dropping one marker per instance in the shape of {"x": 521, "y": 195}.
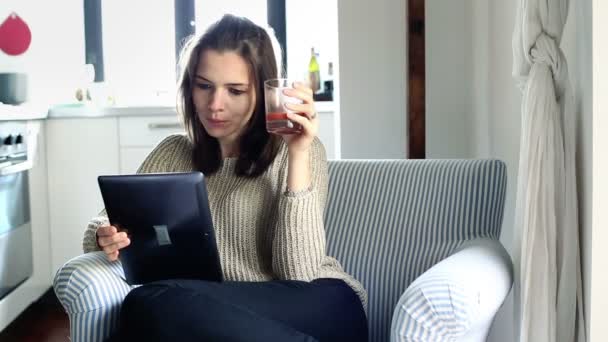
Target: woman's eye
{"x": 236, "y": 91}
{"x": 203, "y": 86}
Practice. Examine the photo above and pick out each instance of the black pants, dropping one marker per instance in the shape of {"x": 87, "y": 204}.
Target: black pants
{"x": 193, "y": 310}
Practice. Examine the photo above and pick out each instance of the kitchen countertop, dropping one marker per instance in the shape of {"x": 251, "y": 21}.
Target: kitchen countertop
{"x": 83, "y": 111}
{"x": 24, "y": 111}
{"x": 88, "y": 111}
{"x": 38, "y": 112}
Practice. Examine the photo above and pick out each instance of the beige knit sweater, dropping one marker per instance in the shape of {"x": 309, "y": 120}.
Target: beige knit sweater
{"x": 263, "y": 231}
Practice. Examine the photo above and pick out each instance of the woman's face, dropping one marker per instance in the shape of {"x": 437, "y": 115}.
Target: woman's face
{"x": 223, "y": 95}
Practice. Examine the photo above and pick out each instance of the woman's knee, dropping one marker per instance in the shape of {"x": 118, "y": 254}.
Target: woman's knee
{"x": 144, "y": 310}
{"x": 147, "y": 298}
{"x": 89, "y": 281}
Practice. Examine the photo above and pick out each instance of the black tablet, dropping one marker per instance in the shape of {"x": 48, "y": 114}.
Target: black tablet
{"x": 168, "y": 220}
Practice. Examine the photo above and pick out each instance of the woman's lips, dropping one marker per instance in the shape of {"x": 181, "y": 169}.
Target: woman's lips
{"x": 216, "y": 123}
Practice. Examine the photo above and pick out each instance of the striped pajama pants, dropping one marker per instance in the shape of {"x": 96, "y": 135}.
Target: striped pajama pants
{"x": 91, "y": 289}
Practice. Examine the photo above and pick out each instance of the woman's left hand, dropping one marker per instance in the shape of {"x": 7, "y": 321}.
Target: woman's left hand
{"x": 306, "y": 117}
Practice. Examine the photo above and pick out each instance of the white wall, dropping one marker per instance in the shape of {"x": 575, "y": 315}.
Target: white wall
{"x": 372, "y": 69}
{"x": 480, "y": 76}
{"x": 496, "y": 109}
{"x": 472, "y": 101}
{"x": 449, "y": 65}
{"x": 56, "y": 54}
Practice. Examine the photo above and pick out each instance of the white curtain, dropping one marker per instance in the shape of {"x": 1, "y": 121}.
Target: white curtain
{"x": 548, "y": 293}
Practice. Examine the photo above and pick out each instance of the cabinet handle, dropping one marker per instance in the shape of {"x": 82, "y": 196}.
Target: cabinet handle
{"x": 15, "y": 168}
{"x": 165, "y": 125}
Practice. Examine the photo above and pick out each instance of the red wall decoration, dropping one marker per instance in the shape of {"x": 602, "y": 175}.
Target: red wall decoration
{"x": 15, "y": 35}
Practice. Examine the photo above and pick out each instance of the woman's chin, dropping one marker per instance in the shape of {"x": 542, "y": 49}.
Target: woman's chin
{"x": 216, "y": 133}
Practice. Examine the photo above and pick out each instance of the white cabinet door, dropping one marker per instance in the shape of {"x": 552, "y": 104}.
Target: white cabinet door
{"x": 132, "y": 157}
{"x": 140, "y": 134}
{"x": 79, "y": 150}
{"x": 145, "y": 131}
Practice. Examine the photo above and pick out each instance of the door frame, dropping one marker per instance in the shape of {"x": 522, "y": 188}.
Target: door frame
{"x": 416, "y": 97}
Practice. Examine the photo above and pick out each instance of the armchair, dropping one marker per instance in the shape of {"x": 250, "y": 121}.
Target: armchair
{"x": 423, "y": 238}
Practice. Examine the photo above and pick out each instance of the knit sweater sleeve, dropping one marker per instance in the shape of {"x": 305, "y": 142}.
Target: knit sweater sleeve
{"x": 299, "y": 234}
{"x": 161, "y": 159}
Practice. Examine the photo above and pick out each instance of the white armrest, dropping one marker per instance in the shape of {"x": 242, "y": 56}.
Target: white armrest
{"x": 456, "y": 299}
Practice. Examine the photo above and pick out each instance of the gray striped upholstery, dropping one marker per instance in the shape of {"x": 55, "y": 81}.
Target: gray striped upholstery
{"x": 91, "y": 289}
{"x": 437, "y": 310}
{"x": 388, "y": 221}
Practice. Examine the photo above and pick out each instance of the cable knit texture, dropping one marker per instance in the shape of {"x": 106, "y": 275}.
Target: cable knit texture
{"x": 263, "y": 230}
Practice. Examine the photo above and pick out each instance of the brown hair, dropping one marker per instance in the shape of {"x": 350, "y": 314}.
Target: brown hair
{"x": 257, "y": 147}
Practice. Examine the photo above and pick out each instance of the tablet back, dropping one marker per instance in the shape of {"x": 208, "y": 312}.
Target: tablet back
{"x": 168, "y": 220}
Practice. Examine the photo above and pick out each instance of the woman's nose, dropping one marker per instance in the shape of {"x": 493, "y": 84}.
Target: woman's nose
{"x": 216, "y": 102}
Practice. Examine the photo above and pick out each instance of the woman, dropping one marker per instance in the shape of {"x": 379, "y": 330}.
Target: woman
{"x": 267, "y": 194}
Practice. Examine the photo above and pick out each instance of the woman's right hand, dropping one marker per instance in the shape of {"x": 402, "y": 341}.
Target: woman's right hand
{"x": 111, "y": 241}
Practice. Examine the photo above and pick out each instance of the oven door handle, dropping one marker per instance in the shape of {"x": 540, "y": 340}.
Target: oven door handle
{"x": 23, "y": 166}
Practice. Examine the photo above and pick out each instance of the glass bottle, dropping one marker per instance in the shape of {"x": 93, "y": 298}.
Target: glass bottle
{"x": 314, "y": 75}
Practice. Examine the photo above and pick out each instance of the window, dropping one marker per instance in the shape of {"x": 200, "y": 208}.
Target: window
{"x": 138, "y": 39}
{"x": 208, "y": 12}
{"x": 139, "y": 50}
{"x": 312, "y": 23}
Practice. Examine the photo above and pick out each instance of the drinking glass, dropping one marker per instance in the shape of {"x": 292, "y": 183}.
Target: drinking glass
{"x": 276, "y": 112}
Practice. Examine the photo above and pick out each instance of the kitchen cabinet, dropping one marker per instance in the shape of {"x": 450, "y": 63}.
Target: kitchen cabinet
{"x": 327, "y": 129}
{"x": 79, "y": 150}
{"x": 139, "y": 135}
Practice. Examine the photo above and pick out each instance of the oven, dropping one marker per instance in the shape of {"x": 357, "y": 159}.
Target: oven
{"x": 16, "y": 262}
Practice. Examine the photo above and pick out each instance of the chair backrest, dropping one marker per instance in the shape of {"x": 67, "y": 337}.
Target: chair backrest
{"x": 388, "y": 221}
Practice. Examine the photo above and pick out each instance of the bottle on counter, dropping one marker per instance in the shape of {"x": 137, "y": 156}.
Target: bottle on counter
{"x": 328, "y": 84}
{"x": 314, "y": 75}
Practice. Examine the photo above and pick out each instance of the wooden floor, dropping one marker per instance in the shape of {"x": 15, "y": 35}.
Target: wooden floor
{"x": 43, "y": 321}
